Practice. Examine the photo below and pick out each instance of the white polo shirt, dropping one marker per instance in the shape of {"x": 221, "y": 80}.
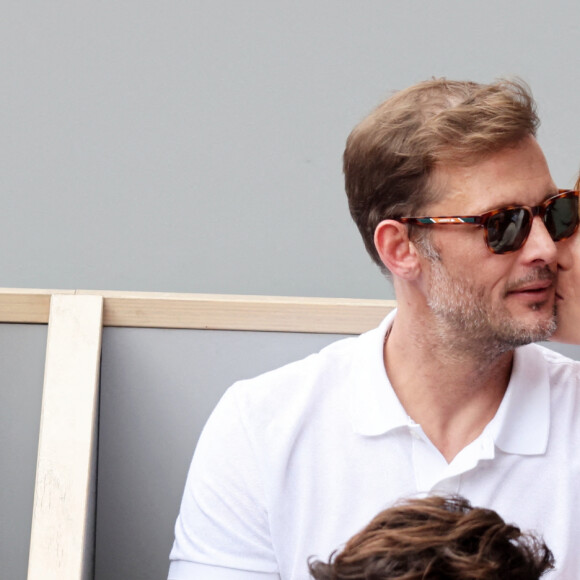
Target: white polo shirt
{"x": 294, "y": 462}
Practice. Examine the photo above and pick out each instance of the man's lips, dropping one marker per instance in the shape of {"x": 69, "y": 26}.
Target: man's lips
{"x": 538, "y": 284}
{"x": 538, "y": 291}
{"x": 536, "y": 287}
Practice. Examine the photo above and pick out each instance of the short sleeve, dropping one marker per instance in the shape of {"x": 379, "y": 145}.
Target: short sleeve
{"x": 223, "y": 520}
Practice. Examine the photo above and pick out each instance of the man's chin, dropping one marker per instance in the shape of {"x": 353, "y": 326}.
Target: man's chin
{"x": 538, "y": 321}
{"x": 519, "y": 335}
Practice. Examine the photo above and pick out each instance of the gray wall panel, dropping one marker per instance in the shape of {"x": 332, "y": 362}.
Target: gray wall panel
{"x": 22, "y": 356}
{"x": 157, "y": 390}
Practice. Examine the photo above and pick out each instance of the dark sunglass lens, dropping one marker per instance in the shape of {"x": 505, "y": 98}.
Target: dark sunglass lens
{"x": 507, "y": 230}
{"x": 561, "y": 217}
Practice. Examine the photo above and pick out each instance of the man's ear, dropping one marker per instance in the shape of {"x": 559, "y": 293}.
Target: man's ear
{"x": 396, "y": 251}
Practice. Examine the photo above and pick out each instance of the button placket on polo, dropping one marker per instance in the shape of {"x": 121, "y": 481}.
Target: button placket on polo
{"x": 433, "y": 473}
{"x": 428, "y": 463}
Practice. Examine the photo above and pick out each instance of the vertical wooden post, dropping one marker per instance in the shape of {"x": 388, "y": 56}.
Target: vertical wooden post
{"x": 62, "y": 537}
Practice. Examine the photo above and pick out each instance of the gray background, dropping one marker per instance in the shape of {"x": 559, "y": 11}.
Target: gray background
{"x": 195, "y": 145}
{"x": 22, "y": 352}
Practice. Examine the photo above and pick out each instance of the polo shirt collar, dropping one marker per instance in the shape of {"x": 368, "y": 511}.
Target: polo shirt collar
{"x": 520, "y": 426}
{"x": 522, "y": 422}
{"x": 373, "y": 405}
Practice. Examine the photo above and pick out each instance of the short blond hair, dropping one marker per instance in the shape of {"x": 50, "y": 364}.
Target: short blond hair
{"x": 390, "y": 156}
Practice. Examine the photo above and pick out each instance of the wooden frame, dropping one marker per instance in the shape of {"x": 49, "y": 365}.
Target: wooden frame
{"x": 208, "y": 311}
{"x": 62, "y": 536}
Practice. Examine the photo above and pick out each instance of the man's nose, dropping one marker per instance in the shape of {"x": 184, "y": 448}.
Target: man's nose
{"x": 540, "y": 246}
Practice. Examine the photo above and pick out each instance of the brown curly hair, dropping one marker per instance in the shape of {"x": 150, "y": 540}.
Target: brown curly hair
{"x": 391, "y": 155}
{"x": 436, "y": 538}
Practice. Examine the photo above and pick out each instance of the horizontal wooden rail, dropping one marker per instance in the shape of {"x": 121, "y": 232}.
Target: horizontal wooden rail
{"x": 208, "y": 311}
{"x": 26, "y": 306}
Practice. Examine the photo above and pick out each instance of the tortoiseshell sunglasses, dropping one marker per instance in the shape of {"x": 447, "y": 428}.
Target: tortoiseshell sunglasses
{"x": 507, "y": 229}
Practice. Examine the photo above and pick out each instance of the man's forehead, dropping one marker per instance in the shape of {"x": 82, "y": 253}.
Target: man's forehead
{"x": 515, "y": 176}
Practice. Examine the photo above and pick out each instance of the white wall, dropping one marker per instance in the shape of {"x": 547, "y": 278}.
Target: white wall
{"x": 195, "y": 146}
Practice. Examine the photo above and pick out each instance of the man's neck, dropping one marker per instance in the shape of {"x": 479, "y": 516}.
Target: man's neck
{"x": 452, "y": 395}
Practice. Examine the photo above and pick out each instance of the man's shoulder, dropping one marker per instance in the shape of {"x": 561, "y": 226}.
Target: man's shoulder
{"x": 314, "y": 384}
{"x": 315, "y": 370}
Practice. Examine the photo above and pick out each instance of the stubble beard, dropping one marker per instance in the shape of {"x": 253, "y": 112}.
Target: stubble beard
{"x": 468, "y": 322}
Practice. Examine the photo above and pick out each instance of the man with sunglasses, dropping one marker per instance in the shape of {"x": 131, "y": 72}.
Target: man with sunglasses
{"x": 455, "y": 203}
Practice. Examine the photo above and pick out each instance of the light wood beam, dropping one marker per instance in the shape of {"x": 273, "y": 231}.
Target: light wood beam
{"x": 62, "y": 536}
